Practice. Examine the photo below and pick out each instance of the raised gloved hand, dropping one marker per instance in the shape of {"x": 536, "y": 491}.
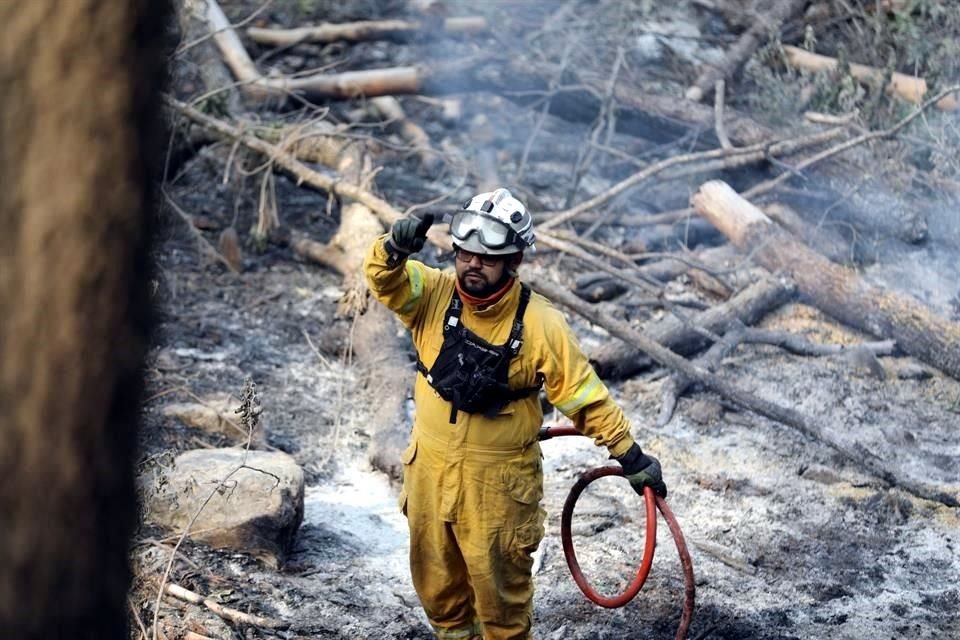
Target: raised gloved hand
{"x": 407, "y": 235}
{"x": 642, "y": 471}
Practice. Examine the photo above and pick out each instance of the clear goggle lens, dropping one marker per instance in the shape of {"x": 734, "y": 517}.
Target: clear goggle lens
{"x": 493, "y": 233}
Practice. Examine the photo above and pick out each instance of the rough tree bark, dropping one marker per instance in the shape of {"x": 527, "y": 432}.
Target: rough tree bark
{"x": 837, "y": 291}
{"x": 78, "y": 128}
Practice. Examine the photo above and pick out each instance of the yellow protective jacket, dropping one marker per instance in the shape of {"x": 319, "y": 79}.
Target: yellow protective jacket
{"x": 420, "y": 295}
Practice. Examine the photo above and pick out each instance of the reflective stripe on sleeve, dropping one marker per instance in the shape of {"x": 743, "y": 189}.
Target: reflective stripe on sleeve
{"x": 416, "y": 288}
{"x": 588, "y": 391}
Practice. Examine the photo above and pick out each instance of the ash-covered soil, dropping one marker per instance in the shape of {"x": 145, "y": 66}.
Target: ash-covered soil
{"x": 787, "y": 540}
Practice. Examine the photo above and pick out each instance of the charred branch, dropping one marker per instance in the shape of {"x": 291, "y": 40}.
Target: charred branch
{"x": 301, "y": 173}
{"x": 619, "y": 360}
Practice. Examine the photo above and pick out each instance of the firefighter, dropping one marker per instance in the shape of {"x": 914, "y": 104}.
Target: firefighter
{"x": 472, "y": 473}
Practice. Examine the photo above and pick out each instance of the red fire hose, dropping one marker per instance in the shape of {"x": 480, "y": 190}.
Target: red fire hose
{"x": 652, "y": 502}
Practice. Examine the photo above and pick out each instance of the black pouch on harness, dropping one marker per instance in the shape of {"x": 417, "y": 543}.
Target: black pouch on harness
{"x": 471, "y": 373}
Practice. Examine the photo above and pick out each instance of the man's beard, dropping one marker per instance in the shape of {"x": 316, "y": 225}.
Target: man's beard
{"x": 487, "y": 289}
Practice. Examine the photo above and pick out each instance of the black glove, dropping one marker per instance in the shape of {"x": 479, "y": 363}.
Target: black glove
{"x": 642, "y": 471}
{"x": 407, "y": 235}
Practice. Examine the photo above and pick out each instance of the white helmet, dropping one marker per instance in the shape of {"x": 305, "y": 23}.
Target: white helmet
{"x": 493, "y": 223}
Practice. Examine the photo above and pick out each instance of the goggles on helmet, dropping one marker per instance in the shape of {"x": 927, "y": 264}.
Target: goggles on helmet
{"x": 493, "y": 234}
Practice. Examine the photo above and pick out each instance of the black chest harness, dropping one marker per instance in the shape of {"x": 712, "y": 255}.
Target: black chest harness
{"x": 469, "y": 372}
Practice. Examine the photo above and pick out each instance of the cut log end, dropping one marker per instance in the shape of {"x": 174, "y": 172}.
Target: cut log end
{"x": 723, "y": 207}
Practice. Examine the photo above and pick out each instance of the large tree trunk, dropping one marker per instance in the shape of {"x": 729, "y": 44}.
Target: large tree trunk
{"x": 78, "y": 110}
{"x": 838, "y": 291}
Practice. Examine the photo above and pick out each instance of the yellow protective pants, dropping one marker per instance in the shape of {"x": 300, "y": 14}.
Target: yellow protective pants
{"x": 475, "y": 519}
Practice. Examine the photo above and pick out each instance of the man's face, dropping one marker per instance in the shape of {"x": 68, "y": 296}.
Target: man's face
{"x": 481, "y": 275}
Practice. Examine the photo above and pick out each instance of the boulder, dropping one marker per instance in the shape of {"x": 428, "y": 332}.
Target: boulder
{"x": 250, "y": 501}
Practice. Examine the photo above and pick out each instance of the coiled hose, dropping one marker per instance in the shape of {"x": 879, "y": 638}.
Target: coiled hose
{"x": 652, "y": 503}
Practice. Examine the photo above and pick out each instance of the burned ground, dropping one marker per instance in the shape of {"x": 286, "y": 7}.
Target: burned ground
{"x": 789, "y": 539}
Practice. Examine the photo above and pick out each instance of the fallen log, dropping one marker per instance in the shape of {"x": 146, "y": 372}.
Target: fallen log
{"x": 232, "y": 50}
{"x": 855, "y": 455}
{"x": 390, "y": 109}
{"x": 198, "y": 66}
{"x": 837, "y": 291}
{"x": 367, "y": 30}
{"x": 619, "y": 360}
{"x": 769, "y": 22}
{"x": 909, "y": 88}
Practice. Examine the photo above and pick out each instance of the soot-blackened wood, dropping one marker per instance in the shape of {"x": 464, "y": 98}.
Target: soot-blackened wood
{"x": 618, "y": 360}
{"x": 837, "y": 291}
{"x": 79, "y": 138}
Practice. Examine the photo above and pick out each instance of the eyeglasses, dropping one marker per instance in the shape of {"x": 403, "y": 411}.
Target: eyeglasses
{"x": 493, "y": 233}
{"x": 467, "y": 256}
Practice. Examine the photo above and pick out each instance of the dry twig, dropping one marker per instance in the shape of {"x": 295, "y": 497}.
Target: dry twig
{"x": 226, "y": 613}
{"x": 357, "y": 31}
{"x": 768, "y": 185}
